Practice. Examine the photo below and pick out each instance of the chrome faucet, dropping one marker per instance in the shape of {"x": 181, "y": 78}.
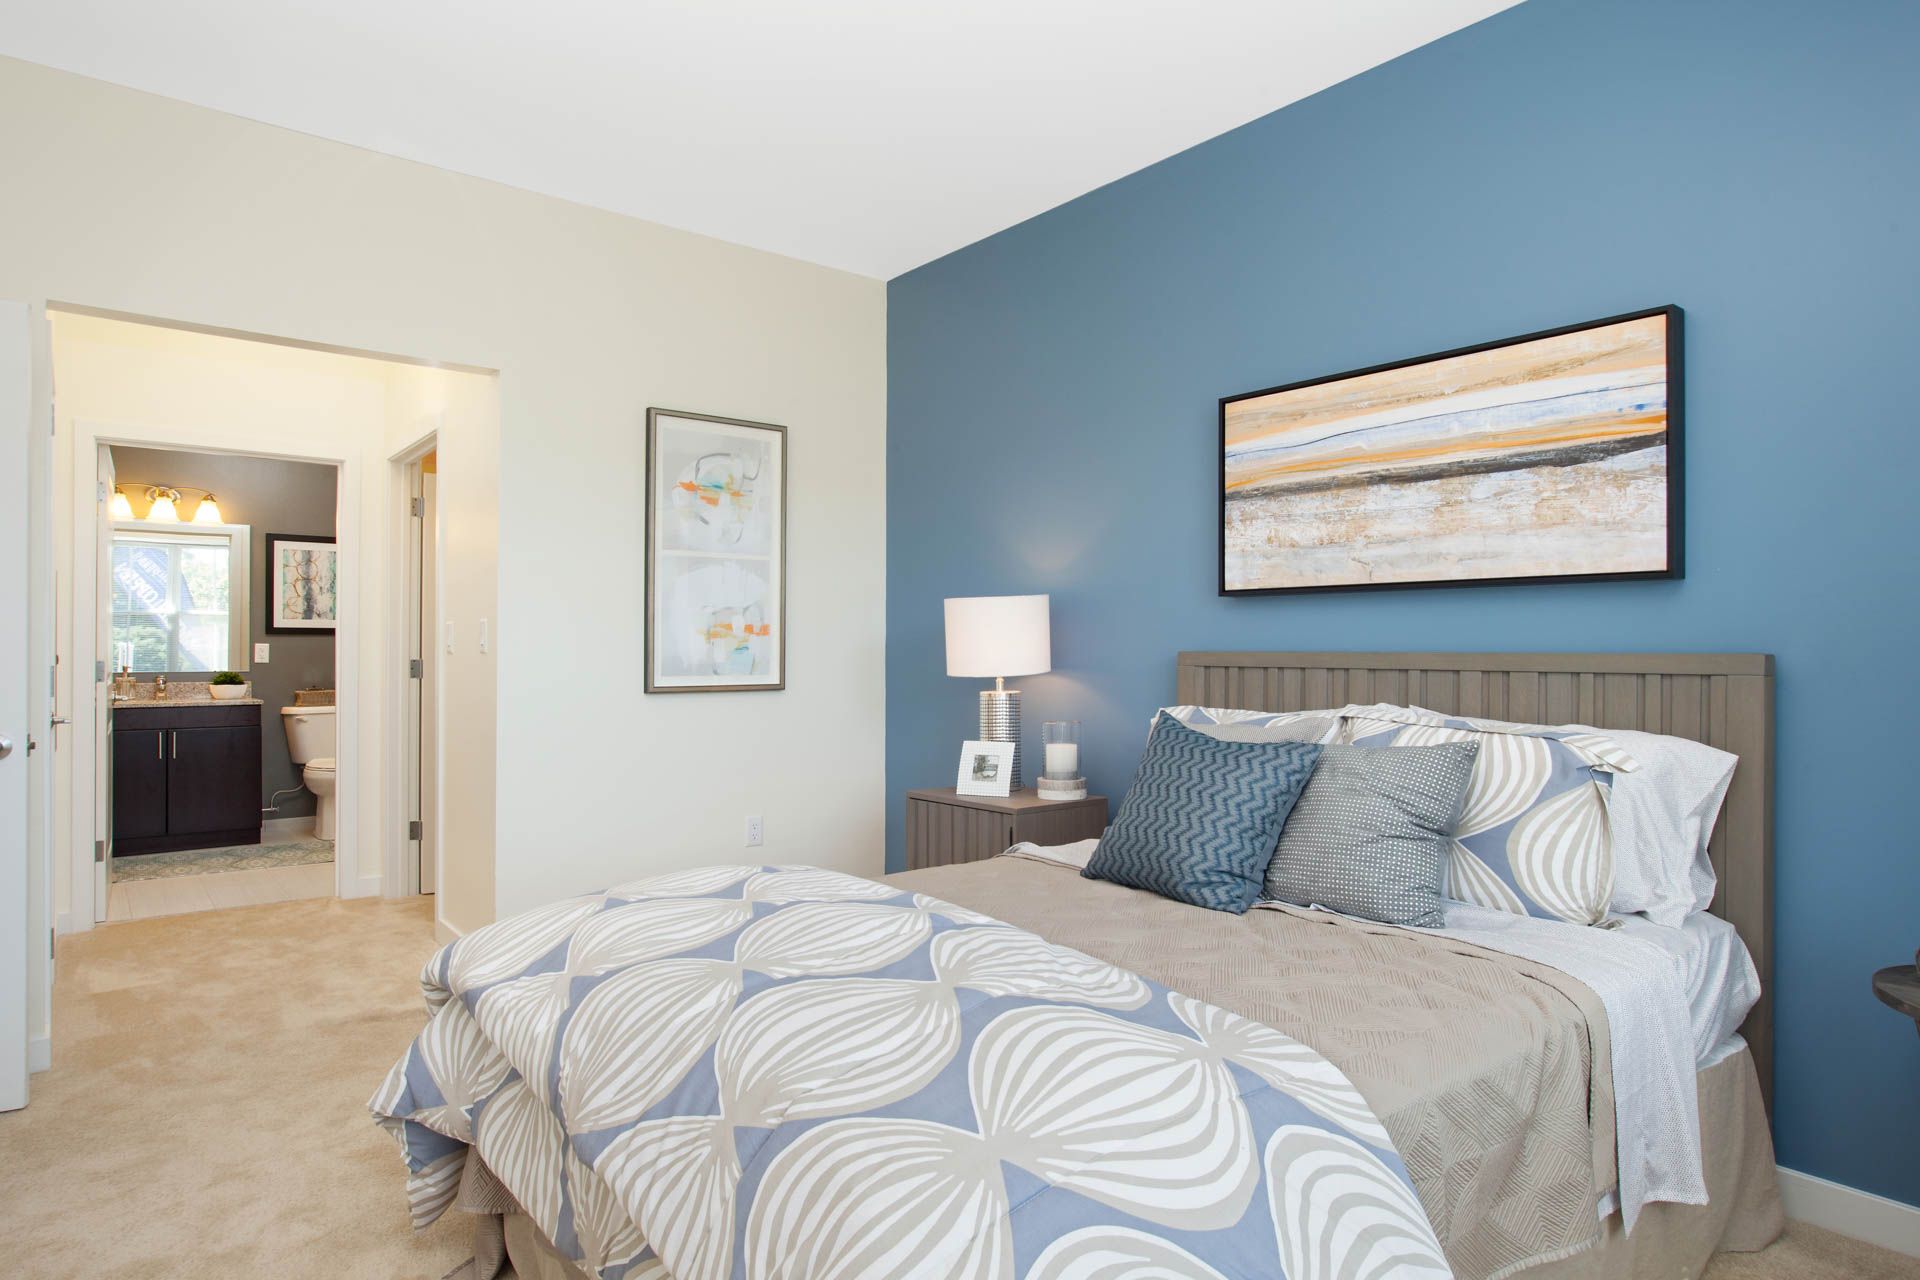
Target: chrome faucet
{"x": 159, "y": 688}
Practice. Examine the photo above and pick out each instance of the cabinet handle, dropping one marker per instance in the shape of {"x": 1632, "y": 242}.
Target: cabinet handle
{"x": 159, "y": 746}
{"x": 176, "y": 744}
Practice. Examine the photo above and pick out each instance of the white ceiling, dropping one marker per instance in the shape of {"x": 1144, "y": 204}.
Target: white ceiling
{"x": 871, "y": 135}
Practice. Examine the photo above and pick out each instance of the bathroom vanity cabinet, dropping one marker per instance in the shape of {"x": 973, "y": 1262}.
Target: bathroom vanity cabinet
{"x": 185, "y": 777}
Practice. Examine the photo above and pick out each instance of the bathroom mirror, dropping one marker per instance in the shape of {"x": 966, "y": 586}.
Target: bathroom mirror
{"x": 180, "y": 597}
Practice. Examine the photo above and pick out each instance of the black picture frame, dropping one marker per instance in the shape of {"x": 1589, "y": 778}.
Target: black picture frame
{"x": 1675, "y": 470}
{"x": 270, "y": 608}
{"x": 777, "y": 564}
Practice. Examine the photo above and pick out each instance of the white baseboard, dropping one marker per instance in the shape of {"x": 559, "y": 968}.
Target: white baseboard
{"x": 1851, "y": 1212}
{"x": 39, "y": 1053}
{"x": 366, "y": 887}
{"x": 63, "y": 923}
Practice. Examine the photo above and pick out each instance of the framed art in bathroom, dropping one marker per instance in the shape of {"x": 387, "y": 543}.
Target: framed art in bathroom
{"x": 1554, "y": 456}
{"x": 303, "y": 583}
{"x": 716, "y": 583}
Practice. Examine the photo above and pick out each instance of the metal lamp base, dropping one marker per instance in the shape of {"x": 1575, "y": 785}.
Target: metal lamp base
{"x": 1000, "y": 722}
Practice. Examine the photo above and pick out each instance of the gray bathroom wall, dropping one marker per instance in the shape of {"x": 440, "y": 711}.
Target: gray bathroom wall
{"x": 268, "y": 496}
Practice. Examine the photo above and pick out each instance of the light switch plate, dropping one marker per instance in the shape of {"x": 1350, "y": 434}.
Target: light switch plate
{"x": 756, "y": 832}
{"x": 260, "y": 653}
{"x": 483, "y": 635}
{"x": 449, "y": 637}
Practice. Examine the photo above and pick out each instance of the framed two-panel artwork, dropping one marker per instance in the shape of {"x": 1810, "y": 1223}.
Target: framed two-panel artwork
{"x": 1550, "y": 457}
{"x": 716, "y": 554}
{"x": 303, "y": 583}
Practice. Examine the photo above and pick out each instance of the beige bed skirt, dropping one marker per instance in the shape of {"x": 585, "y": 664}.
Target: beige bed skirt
{"x": 1743, "y": 1212}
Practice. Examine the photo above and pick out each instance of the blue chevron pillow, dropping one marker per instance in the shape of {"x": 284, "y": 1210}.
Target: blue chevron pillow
{"x": 1200, "y": 822}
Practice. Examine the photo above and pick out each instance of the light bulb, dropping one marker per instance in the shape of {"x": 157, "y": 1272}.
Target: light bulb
{"x": 121, "y": 508}
{"x": 162, "y": 508}
{"x": 207, "y": 512}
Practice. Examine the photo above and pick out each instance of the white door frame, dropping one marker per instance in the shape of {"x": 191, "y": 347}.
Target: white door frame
{"x": 16, "y": 703}
{"x": 88, "y": 436}
{"x": 400, "y": 864}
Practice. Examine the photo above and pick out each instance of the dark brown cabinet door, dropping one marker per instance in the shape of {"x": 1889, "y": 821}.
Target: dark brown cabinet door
{"x": 213, "y": 779}
{"x": 139, "y": 783}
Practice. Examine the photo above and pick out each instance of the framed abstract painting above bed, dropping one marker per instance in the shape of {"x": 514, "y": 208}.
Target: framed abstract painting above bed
{"x": 1554, "y": 456}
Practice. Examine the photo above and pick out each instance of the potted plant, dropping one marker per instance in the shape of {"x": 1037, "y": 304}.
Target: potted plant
{"x": 227, "y": 685}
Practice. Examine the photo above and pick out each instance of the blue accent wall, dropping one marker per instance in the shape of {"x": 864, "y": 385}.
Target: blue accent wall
{"x": 1052, "y": 425}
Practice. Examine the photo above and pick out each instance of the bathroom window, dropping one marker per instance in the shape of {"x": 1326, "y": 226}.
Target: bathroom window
{"x": 179, "y": 599}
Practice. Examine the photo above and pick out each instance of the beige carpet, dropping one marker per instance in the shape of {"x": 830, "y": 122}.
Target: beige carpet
{"x": 206, "y": 1111}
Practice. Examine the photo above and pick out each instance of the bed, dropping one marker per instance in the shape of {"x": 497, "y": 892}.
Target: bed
{"x": 1491, "y": 1073}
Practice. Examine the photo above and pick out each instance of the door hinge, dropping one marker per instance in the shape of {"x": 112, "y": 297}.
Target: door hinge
{"x": 414, "y": 668}
{"x": 416, "y": 506}
{"x": 100, "y": 491}
{"x": 53, "y": 938}
{"x": 414, "y": 831}
{"x": 99, "y": 850}
{"x": 100, "y": 671}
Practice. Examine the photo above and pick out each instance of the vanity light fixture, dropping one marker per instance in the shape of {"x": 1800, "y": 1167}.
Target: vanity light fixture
{"x": 163, "y": 505}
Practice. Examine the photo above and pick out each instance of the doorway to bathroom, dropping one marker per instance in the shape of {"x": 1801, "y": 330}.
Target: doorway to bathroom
{"x": 218, "y": 606}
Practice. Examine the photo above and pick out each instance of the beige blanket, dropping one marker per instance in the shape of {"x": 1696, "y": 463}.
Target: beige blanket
{"x": 1489, "y": 1071}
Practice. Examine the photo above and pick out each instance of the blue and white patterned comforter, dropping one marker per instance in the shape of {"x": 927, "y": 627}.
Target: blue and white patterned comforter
{"x": 757, "y": 1072}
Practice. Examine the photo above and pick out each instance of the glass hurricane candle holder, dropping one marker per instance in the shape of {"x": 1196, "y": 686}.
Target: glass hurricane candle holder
{"x": 1061, "y": 778}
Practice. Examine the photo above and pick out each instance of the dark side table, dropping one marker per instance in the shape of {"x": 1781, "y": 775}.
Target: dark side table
{"x": 1899, "y": 989}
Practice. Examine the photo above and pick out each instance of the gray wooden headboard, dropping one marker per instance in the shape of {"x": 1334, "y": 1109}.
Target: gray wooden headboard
{"x": 1722, "y": 699}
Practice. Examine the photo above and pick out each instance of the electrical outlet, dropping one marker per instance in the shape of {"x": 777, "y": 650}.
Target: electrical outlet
{"x": 260, "y": 653}
{"x": 756, "y": 832}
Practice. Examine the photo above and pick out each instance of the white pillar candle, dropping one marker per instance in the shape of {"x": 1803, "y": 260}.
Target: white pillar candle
{"x": 1063, "y": 759}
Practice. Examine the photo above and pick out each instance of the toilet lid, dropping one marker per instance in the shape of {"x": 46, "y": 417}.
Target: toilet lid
{"x": 324, "y": 764}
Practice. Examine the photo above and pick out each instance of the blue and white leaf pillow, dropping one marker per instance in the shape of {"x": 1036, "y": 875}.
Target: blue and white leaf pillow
{"x": 1534, "y": 838}
{"x": 1204, "y": 717}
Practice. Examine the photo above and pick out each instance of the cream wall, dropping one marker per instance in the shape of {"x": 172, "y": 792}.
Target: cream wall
{"x": 119, "y": 200}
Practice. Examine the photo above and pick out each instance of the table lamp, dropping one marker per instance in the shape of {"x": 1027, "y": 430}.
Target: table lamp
{"x": 999, "y": 636}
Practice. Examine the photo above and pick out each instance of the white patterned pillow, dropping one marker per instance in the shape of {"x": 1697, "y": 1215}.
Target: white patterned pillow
{"x": 1534, "y": 838}
{"x": 1259, "y": 726}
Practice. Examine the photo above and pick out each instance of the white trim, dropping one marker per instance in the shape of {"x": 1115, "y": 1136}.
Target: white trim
{"x": 365, "y": 887}
{"x": 63, "y": 923}
{"x": 39, "y": 1054}
{"x": 1862, "y": 1215}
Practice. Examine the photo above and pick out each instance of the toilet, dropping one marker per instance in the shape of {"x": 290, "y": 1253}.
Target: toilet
{"x": 310, "y": 744}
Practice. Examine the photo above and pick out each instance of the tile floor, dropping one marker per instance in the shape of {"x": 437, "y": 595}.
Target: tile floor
{"x": 142, "y": 899}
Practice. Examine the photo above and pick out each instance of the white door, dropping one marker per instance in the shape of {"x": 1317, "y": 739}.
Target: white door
{"x": 16, "y": 401}
{"x": 102, "y": 688}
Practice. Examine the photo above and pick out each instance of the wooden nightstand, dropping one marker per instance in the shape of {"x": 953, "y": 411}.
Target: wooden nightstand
{"x": 944, "y": 826}
{"x": 1897, "y": 987}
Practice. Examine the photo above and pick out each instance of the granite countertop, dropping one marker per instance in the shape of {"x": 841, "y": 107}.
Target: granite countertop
{"x": 181, "y": 693}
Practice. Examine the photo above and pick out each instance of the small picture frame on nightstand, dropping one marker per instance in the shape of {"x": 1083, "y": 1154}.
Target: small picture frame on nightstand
{"x": 986, "y": 769}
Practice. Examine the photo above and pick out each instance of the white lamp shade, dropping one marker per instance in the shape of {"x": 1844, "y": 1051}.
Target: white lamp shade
{"x": 998, "y": 636}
